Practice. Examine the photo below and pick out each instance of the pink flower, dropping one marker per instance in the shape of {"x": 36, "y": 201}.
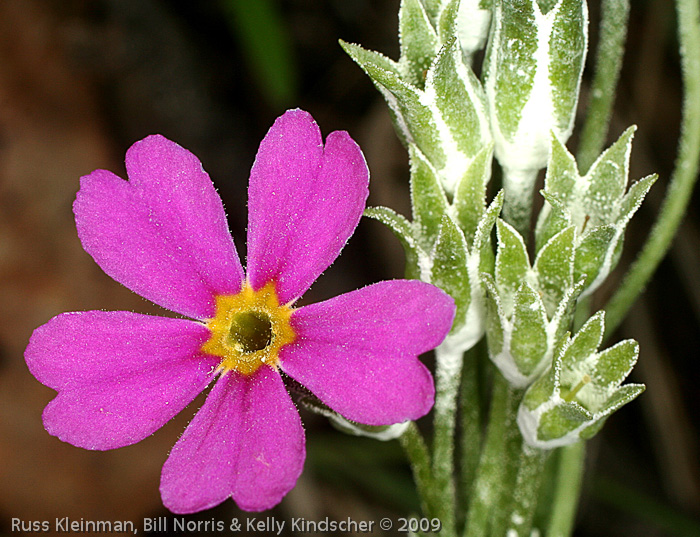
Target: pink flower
{"x": 120, "y": 376}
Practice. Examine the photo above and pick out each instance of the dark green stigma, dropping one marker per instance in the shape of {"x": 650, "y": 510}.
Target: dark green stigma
{"x": 250, "y": 331}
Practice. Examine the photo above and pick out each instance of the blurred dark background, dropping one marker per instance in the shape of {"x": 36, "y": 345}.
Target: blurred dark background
{"x": 81, "y": 80}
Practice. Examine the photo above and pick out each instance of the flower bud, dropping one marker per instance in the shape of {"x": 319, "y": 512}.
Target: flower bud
{"x": 528, "y": 308}
{"x": 572, "y": 400}
{"x": 533, "y": 73}
{"x": 598, "y": 205}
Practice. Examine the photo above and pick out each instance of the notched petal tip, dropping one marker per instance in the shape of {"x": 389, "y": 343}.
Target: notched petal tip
{"x": 245, "y": 443}
{"x": 305, "y": 201}
{"x": 119, "y": 375}
{"x": 343, "y": 156}
{"x": 163, "y": 233}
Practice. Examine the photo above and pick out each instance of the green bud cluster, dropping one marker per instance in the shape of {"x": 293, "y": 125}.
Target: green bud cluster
{"x": 522, "y": 112}
{"x": 439, "y": 111}
{"x": 529, "y": 308}
{"x": 572, "y": 400}
{"x": 436, "y": 100}
{"x": 578, "y": 239}
{"x": 597, "y": 206}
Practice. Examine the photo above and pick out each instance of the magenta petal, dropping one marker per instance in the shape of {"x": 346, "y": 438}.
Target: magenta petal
{"x": 163, "y": 234}
{"x": 246, "y": 442}
{"x": 304, "y": 203}
{"x": 120, "y": 376}
{"x": 358, "y": 352}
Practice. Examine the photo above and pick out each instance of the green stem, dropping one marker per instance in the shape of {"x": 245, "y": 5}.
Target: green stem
{"x": 496, "y": 466}
{"x": 525, "y": 493}
{"x": 684, "y": 175}
{"x": 611, "y": 47}
{"x": 567, "y": 490}
{"x": 569, "y": 466}
{"x": 448, "y": 373}
{"x": 470, "y": 424}
{"x": 419, "y": 458}
{"x": 510, "y": 463}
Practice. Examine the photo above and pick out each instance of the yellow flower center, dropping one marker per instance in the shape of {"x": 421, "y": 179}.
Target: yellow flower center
{"x": 249, "y": 329}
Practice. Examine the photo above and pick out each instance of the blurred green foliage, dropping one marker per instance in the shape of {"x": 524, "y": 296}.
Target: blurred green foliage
{"x": 266, "y": 45}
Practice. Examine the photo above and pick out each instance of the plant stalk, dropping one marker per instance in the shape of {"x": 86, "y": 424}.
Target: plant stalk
{"x": 684, "y": 175}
